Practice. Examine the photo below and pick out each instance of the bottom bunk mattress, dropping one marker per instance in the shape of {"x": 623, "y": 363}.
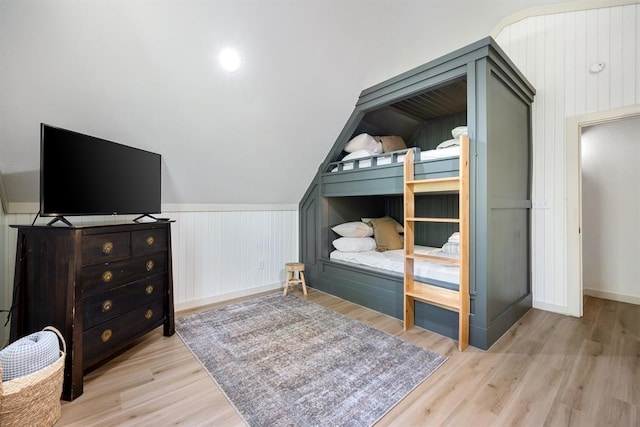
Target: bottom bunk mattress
{"x": 446, "y": 275}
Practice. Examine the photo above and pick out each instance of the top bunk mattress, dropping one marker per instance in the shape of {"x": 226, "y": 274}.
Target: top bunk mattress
{"x": 393, "y": 260}
{"x": 388, "y": 158}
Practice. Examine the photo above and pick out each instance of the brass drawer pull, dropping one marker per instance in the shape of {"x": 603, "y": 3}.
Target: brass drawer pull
{"x": 149, "y": 289}
{"x": 106, "y": 335}
{"x": 107, "y": 305}
{"x": 107, "y": 276}
{"x": 148, "y": 314}
{"x": 149, "y": 265}
{"x": 107, "y": 248}
{"x": 150, "y": 240}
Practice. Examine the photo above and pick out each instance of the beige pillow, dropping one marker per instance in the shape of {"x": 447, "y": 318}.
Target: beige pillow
{"x": 386, "y": 235}
{"x": 391, "y": 143}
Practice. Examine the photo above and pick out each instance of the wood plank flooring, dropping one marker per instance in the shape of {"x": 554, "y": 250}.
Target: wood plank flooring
{"x": 548, "y": 370}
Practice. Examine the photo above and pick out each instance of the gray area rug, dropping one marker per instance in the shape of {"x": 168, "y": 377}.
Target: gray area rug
{"x": 284, "y": 361}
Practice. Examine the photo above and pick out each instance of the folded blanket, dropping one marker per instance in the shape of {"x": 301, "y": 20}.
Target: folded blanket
{"x": 29, "y": 354}
{"x": 451, "y": 248}
{"x": 459, "y": 131}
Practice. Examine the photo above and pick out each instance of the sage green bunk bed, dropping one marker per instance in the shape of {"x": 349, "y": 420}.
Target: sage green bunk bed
{"x": 477, "y": 87}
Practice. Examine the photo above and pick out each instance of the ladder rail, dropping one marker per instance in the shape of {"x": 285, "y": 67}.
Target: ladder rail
{"x": 414, "y": 290}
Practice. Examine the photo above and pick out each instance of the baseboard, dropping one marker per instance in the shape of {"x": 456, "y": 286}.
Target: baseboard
{"x": 613, "y": 296}
{"x": 201, "y": 302}
{"x": 501, "y": 324}
{"x": 554, "y": 308}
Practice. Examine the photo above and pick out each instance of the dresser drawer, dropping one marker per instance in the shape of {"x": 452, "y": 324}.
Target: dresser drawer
{"x": 148, "y": 241}
{"x": 116, "y": 333}
{"x": 120, "y": 300}
{"x": 103, "y": 277}
{"x": 105, "y": 247}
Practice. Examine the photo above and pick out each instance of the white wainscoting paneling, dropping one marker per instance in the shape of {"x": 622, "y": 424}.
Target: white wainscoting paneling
{"x": 555, "y": 51}
{"x": 8, "y": 244}
{"x": 221, "y": 255}
{"x": 5, "y": 289}
{"x": 217, "y": 255}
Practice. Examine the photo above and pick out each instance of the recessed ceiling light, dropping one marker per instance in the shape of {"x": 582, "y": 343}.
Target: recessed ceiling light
{"x": 229, "y": 59}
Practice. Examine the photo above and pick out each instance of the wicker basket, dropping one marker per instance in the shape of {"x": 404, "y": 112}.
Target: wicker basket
{"x": 34, "y": 400}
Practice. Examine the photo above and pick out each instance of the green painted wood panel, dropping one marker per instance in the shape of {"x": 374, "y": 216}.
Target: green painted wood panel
{"x": 433, "y": 132}
{"x": 437, "y": 206}
{"x": 497, "y": 111}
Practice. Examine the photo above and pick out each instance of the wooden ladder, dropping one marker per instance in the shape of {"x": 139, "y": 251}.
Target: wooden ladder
{"x": 414, "y": 290}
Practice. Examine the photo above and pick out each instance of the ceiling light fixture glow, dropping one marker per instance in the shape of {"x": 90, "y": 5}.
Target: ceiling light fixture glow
{"x": 229, "y": 59}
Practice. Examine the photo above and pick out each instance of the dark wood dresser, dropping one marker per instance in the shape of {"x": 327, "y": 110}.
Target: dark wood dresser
{"x": 102, "y": 286}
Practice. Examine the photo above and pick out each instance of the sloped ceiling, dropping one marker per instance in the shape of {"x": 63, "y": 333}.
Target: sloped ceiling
{"x": 145, "y": 73}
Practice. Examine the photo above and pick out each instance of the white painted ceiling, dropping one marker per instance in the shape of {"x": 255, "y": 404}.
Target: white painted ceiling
{"x": 145, "y": 73}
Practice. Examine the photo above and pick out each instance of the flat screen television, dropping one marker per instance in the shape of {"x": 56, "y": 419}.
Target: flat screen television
{"x": 85, "y": 175}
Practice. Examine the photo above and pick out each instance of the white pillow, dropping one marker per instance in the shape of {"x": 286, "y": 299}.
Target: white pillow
{"x": 454, "y": 238}
{"x": 448, "y": 143}
{"x": 364, "y": 141}
{"x": 358, "y": 154}
{"x": 355, "y": 244}
{"x": 399, "y": 227}
{"x": 353, "y": 229}
{"x": 459, "y": 131}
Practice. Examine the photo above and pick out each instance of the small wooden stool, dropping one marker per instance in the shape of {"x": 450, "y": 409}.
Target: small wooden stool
{"x": 292, "y": 268}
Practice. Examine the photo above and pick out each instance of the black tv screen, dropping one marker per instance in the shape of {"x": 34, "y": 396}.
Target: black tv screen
{"x": 85, "y": 175}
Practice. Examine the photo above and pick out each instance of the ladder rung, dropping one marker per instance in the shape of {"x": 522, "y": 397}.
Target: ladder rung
{"x": 434, "y": 258}
{"x": 442, "y": 297}
{"x": 424, "y": 219}
{"x": 435, "y": 184}
{"x": 434, "y": 180}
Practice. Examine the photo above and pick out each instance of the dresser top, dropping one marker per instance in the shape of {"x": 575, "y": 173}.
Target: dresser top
{"x": 97, "y": 226}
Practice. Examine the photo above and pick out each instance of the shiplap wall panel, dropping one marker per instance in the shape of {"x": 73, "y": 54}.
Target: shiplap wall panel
{"x": 550, "y": 81}
{"x": 633, "y": 29}
{"x": 555, "y": 52}
{"x": 627, "y": 49}
{"x": 227, "y": 253}
{"x": 617, "y": 79}
{"x": 216, "y": 255}
{"x": 9, "y": 247}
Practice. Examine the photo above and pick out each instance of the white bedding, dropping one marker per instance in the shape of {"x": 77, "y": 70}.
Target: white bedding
{"x": 385, "y": 160}
{"x": 394, "y": 261}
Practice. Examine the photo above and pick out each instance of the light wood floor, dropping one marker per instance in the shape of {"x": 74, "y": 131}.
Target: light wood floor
{"x": 547, "y": 370}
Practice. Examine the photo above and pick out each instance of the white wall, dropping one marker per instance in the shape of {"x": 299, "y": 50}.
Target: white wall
{"x": 555, "y": 51}
{"x": 217, "y": 254}
{"x": 611, "y": 210}
{"x": 145, "y": 73}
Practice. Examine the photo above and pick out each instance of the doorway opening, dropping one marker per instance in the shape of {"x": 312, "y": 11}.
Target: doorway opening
{"x": 574, "y": 214}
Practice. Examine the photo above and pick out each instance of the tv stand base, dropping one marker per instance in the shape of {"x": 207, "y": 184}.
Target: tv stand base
{"x": 137, "y": 219}
{"x": 61, "y": 219}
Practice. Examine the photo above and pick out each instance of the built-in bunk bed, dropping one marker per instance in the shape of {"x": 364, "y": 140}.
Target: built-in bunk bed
{"x": 475, "y": 91}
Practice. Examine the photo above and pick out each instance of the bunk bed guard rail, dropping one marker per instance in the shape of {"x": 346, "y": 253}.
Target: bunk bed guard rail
{"x": 380, "y": 159}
